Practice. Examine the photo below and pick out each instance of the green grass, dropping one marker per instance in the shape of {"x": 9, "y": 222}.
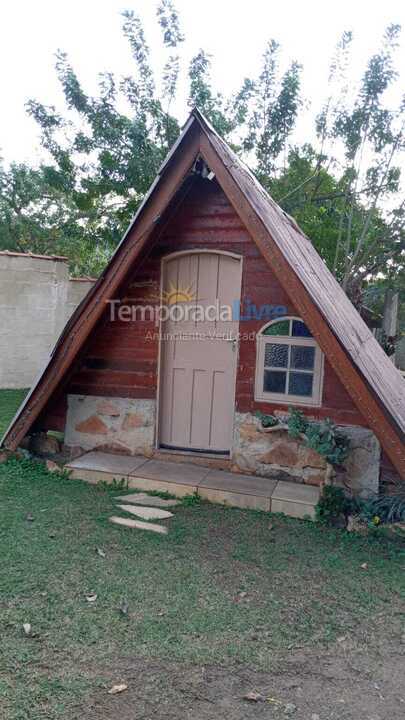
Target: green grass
{"x": 304, "y": 583}
{"x": 10, "y": 400}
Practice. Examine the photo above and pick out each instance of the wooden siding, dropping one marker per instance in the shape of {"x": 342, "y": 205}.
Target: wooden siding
{"x": 121, "y": 357}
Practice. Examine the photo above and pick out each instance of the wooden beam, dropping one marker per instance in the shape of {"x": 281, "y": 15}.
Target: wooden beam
{"x": 355, "y": 384}
{"x": 115, "y": 273}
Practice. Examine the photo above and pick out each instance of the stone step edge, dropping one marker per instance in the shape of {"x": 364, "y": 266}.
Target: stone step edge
{"x": 238, "y": 491}
{"x": 198, "y": 486}
{"x": 297, "y": 501}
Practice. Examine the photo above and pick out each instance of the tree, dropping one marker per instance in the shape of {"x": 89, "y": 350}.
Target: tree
{"x": 107, "y": 159}
{"x": 274, "y": 105}
{"x": 105, "y": 151}
{"x": 371, "y": 235}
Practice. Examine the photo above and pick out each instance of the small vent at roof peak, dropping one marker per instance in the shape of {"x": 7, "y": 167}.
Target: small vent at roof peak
{"x": 201, "y": 168}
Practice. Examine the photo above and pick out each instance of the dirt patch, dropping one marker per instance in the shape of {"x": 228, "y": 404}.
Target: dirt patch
{"x": 343, "y": 684}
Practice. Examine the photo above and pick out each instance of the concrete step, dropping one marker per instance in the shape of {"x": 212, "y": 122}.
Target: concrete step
{"x": 294, "y": 499}
{"x": 180, "y": 479}
{"x": 106, "y": 467}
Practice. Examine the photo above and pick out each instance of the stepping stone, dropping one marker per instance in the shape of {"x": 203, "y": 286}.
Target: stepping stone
{"x": 144, "y": 499}
{"x": 147, "y": 513}
{"x": 138, "y": 524}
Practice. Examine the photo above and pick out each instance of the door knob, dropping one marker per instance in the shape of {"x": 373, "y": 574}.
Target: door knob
{"x": 234, "y": 342}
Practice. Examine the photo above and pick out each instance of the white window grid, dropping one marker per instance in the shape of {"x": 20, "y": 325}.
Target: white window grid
{"x": 317, "y": 372}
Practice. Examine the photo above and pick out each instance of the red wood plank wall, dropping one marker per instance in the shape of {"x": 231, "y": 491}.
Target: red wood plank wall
{"x": 121, "y": 358}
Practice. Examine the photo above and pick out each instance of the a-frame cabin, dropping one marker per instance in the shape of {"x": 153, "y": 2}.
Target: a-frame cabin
{"x": 208, "y": 234}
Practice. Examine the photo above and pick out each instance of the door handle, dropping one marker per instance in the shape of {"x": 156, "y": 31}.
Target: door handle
{"x": 234, "y": 342}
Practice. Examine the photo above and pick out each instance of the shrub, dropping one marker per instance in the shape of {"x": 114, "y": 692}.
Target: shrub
{"x": 267, "y": 420}
{"x": 327, "y": 441}
{"x": 332, "y": 505}
{"x": 323, "y": 437}
{"x": 387, "y": 508}
{"x": 297, "y": 423}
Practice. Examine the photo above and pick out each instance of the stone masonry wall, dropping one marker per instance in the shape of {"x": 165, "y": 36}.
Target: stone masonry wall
{"x": 36, "y": 300}
{"x": 121, "y": 425}
{"x": 277, "y": 455}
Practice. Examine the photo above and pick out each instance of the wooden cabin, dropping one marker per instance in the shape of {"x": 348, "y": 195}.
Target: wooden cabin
{"x": 134, "y": 374}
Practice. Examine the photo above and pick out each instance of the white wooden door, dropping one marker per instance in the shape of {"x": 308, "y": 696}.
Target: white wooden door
{"x": 199, "y": 351}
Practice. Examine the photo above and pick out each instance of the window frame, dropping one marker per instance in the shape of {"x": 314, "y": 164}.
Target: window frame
{"x": 283, "y": 398}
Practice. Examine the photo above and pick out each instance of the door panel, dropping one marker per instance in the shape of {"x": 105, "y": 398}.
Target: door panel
{"x": 198, "y": 357}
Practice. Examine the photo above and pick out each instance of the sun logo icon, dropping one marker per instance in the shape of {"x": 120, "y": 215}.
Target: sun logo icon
{"x": 175, "y": 295}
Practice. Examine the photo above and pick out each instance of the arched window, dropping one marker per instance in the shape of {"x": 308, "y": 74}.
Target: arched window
{"x": 289, "y": 364}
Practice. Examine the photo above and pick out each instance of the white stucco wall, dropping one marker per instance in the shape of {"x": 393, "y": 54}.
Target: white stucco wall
{"x": 36, "y": 299}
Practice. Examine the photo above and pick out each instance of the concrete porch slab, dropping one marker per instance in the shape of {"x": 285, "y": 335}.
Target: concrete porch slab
{"x": 235, "y": 499}
{"x": 180, "y": 479}
{"x": 295, "y": 500}
{"x": 171, "y": 472}
{"x": 107, "y": 462}
{"x": 93, "y": 476}
{"x": 139, "y": 482}
{"x": 296, "y": 492}
{"x": 244, "y": 484}
{"x": 245, "y": 491}
{"x": 292, "y": 509}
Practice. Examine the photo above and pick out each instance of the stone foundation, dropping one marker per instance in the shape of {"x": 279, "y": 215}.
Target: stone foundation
{"x": 127, "y": 426}
{"x": 363, "y": 464}
{"x": 121, "y": 425}
{"x": 276, "y": 455}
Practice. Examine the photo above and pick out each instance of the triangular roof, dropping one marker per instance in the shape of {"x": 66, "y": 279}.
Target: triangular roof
{"x": 375, "y": 385}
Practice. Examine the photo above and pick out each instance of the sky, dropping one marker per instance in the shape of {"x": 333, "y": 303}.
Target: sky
{"x": 235, "y": 33}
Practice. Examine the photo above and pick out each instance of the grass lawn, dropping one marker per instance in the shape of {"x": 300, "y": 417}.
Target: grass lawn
{"x": 227, "y": 602}
{"x": 9, "y": 402}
